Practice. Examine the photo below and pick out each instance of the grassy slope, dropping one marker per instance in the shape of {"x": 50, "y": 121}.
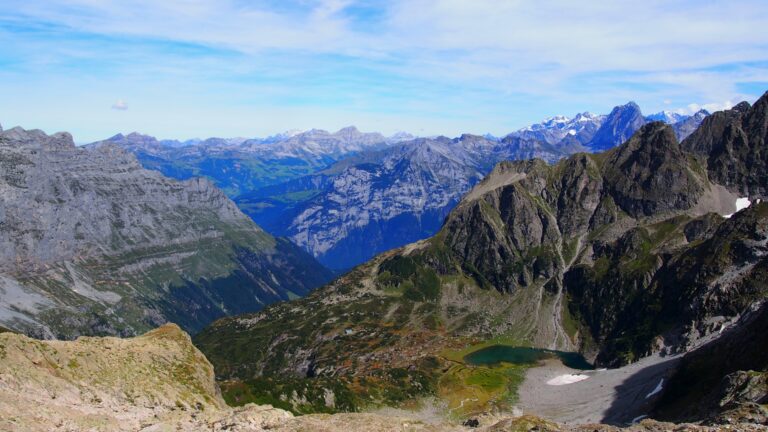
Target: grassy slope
{"x": 389, "y": 333}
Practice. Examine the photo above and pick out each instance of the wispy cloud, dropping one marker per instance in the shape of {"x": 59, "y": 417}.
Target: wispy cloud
{"x": 451, "y": 65}
{"x": 120, "y": 105}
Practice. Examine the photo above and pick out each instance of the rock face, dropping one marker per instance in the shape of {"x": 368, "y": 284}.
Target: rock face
{"x": 650, "y": 174}
{"x": 352, "y": 211}
{"x": 618, "y": 126}
{"x": 725, "y": 381}
{"x": 92, "y": 243}
{"x": 619, "y": 255}
{"x": 685, "y": 127}
{"x": 733, "y": 143}
{"x": 588, "y": 229}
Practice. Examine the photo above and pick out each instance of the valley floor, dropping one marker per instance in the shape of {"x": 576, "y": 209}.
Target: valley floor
{"x": 613, "y": 396}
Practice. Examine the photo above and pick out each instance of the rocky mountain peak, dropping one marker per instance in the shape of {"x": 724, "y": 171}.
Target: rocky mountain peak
{"x": 133, "y": 142}
{"x": 400, "y": 136}
{"x": 349, "y": 130}
{"x": 585, "y": 116}
{"x": 631, "y": 105}
{"x": 36, "y": 137}
{"x": 468, "y": 136}
{"x": 139, "y": 136}
{"x": 649, "y": 173}
{"x": 686, "y": 125}
{"x": 669, "y": 117}
{"x": 733, "y": 144}
{"x": 652, "y": 136}
{"x": 743, "y": 106}
{"x": 702, "y": 113}
{"x": 618, "y": 126}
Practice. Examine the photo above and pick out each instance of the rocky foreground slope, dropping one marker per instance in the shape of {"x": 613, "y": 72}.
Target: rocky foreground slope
{"x": 92, "y": 243}
{"x": 632, "y": 252}
{"x": 161, "y": 382}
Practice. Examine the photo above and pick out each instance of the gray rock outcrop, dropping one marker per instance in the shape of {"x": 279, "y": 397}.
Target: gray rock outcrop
{"x": 92, "y": 243}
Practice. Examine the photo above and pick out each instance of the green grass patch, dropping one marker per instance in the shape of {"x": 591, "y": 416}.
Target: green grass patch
{"x": 471, "y": 390}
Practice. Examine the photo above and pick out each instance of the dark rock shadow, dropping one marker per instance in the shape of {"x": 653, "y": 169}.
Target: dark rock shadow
{"x": 631, "y": 399}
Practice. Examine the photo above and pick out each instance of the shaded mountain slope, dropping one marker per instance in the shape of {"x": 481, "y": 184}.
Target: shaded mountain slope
{"x": 351, "y": 212}
{"x": 725, "y": 381}
{"x": 733, "y": 143}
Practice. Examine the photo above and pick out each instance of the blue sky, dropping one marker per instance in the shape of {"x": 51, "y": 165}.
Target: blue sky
{"x": 200, "y": 68}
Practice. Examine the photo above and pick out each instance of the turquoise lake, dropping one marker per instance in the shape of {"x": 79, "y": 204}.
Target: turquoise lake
{"x": 522, "y": 355}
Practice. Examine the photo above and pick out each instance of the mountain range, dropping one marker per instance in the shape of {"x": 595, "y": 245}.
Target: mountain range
{"x": 92, "y": 243}
{"x": 637, "y": 257}
{"x": 346, "y": 196}
{"x": 376, "y": 201}
{"x": 238, "y": 165}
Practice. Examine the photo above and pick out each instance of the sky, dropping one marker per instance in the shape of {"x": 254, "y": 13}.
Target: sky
{"x": 199, "y": 68}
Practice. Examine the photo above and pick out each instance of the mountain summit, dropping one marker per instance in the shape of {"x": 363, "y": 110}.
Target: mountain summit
{"x": 617, "y": 127}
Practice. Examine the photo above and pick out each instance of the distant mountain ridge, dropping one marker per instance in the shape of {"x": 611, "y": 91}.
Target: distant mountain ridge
{"x": 92, "y": 243}
{"x": 377, "y": 201}
{"x": 348, "y": 195}
{"x": 239, "y": 165}
{"x": 347, "y": 213}
{"x": 668, "y": 117}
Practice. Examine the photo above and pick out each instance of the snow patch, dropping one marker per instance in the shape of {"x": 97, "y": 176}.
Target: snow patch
{"x": 567, "y": 379}
{"x": 741, "y": 204}
{"x": 637, "y": 419}
{"x": 657, "y": 390}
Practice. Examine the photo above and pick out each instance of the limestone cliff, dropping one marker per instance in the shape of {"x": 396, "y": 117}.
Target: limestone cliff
{"x": 92, "y": 243}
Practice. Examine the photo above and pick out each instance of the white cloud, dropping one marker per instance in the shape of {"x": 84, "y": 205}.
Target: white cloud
{"x": 580, "y": 36}
{"x": 713, "y": 106}
{"x": 120, "y": 105}
{"x": 571, "y": 55}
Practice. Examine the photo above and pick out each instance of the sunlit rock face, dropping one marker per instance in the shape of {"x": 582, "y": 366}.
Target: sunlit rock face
{"x": 92, "y": 243}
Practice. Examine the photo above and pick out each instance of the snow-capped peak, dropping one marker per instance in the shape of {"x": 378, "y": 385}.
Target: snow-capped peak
{"x": 669, "y": 117}
{"x": 554, "y": 129}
